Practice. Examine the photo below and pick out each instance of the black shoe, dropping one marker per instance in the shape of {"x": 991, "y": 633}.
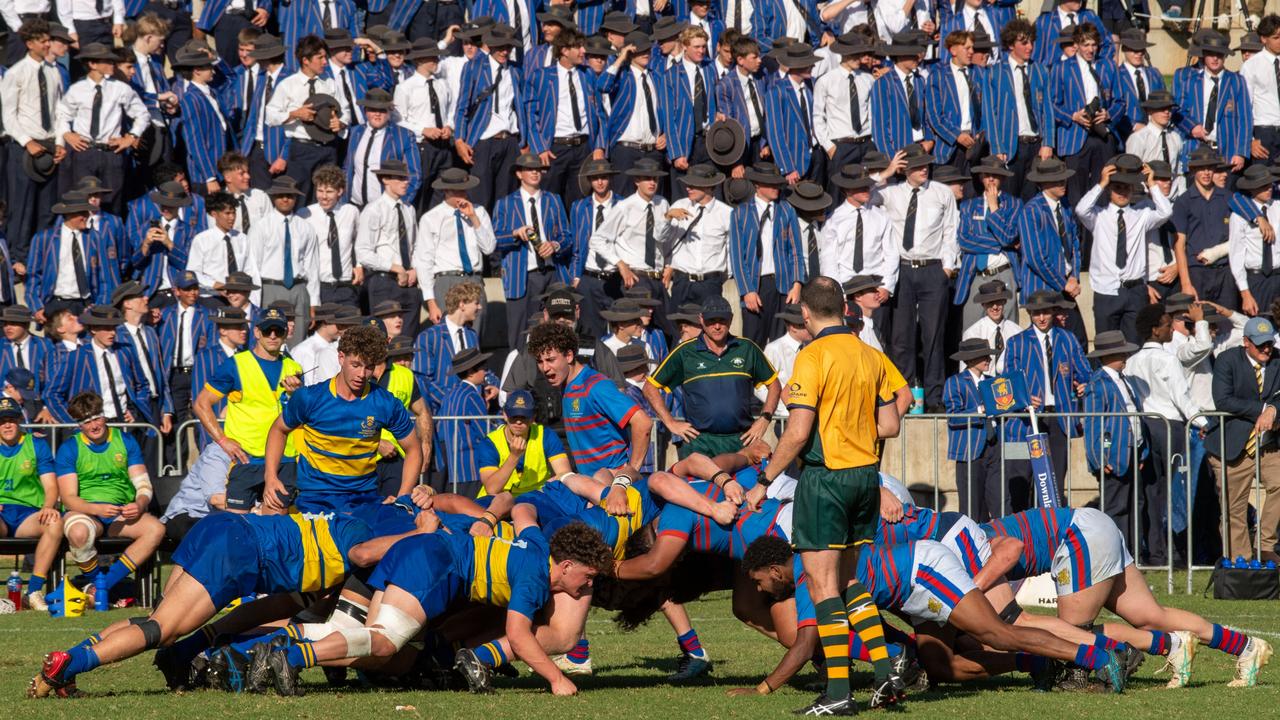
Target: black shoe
{"x": 888, "y": 692}
{"x": 176, "y": 676}
{"x": 337, "y": 676}
{"x": 1044, "y": 679}
{"x": 689, "y": 668}
{"x": 824, "y": 705}
{"x": 478, "y": 675}
{"x": 908, "y": 668}
{"x": 259, "y": 676}
{"x": 1076, "y": 679}
{"x": 1133, "y": 659}
{"x": 230, "y": 670}
{"x": 283, "y": 675}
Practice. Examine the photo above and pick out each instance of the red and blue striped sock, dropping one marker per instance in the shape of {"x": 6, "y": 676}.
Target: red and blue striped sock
{"x": 1160, "y": 643}
{"x": 1092, "y": 657}
{"x": 690, "y": 645}
{"x": 858, "y": 651}
{"x": 491, "y": 654}
{"x": 1228, "y": 640}
{"x": 1104, "y": 642}
{"x": 580, "y": 653}
{"x": 1028, "y": 663}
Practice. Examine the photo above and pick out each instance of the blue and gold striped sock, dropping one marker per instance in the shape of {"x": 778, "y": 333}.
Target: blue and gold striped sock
{"x": 491, "y": 654}
{"x": 301, "y": 655}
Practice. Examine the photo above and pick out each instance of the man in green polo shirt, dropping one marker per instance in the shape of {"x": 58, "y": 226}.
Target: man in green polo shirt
{"x": 719, "y": 373}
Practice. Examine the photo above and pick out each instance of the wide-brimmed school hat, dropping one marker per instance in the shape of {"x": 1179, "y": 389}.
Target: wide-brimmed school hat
{"x": 1255, "y": 177}
{"x": 91, "y": 185}
{"x": 193, "y": 55}
{"x": 808, "y": 197}
{"x": 632, "y": 357}
{"x": 530, "y": 161}
{"x": 702, "y": 176}
{"x": 738, "y": 190}
{"x": 1044, "y": 300}
{"x": 1178, "y": 302}
{"x": 623, "y": 310}
{"x": 598, "y": 45}
{"x": 58, "y": 31}
{"x": 395, "y": 42}
{"x": 1203, "y": 157}
{"x": 101, "y": 316}
{"x": 239, "y": 282}
{"x": 1134, "y": 39}
{"x": 337, "y": 39}
{"x": 861, "y": 283}
{"x": 171, "y": 194}
{"x": 267, "y": 47}
{"x": 377, "y": 99}
{"x": 1158, "y": 100}
{"x": 990, "y": 165}
{"x": 1112, "y": 342}
{"x": 1048, "y": 170}
{"x": 284, "y": 185}
{"x": 454, "y": 179}
{"x": 853, "y": 43}
{"x": 124, "y": 291}
{"x": 473, "y": 31}
{"x": 467, "y": 359}
{"x": 791, "y": 314}
{"x": 993, "y": 291}
{"x": 972, "y": 349}
{"x": 557, "y": 15}
{"x": 18, "y": 314}
{"x": 640, "y": 39}
{"x": 392, "y": 168}
{"x": 230, "y": 317}
{"x": 40, "y": 167}
{"x": 765, "y": 173}
{"x": 646, "y": 168}
{"x": 619, "y": 22}
{"x": 97, "y": 52}
{"x": 726, "y": 142}
{"x": 982, "y": 42}
{"x": 947, "y": 174}
{"x": 688, "y": 313}
{"x": 72, "y": 202}
{"x": 592, "y": 169}
{"x": 326, "y": 107}
{"x": 424, "y": 48}
{"x": 916, "y": 156}
{"x": 903, "y": 45}
{"x": 500, "y": 36}
{"x": 387, "y": 308}
{"x": 668, "y": 28}
{"x": 875, "y": 161}
{"x": 853, "y": 177}
{"x": 642, "y": 297}
{"x": 1161, "y": 170}
{"x": 347, "y": 316}
{"x": 797, "y": 55}
{"x": 1249, "y": 42}
{"x": 1214, "y": 42}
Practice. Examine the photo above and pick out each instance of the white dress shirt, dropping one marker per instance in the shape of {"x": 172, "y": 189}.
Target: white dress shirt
{"x": 1146, "y": 144}
{"x": 119, "y": 100}
{"x": 258, "y": 204}
{"x": 765, "y": 233}
{"x": 1019, "y": 99}
{"x": 144, "y": 354}
{"x": 352, "y": 114}
{"x": 853, "y": 15}
{"x": 868, "y": 333}
{"x": 936, "y": 220}
{"x": 879, "y": 252}
{"x": 208, "y": 256}
{"x": 72, "y": 10}
{"x": 831, "y": 113}
{"x": 984, "y": 328}
{"x": 185, "y": 322}
{"x": 1089, "y": 86}
{"x": 1207, "y": 87}
{"x": 1245, "y": 245}
{"x": 266, "y": 253}
{"x": 1161, "y": 383}
{"x": 378, "y": 234}
{"x": 290, "y": 94}
{"x": 1102, "y": 221}
{"x": 345, "y": 216}
{"x": 700, "y": 243}
{"x": 318, "y": 358}
{"x": 755, "y": 119}
{"x": 457, "y": 335}
{"x": 637, "y": 128}
{"x": 413, "y": 104}
{"x": 13, "y": 10}
{"x": 437, "y": 250}
{"x": 20, "y": 97}
{"x": 735, "y": 9}
{"x": 21, "y": 352}
{"x": 102, "y": 357}
{"x": 565, "y": 126}
{"x": 961, "y": 79}
{"x": 1048, "y": 400}
{"x": 503, "y": 113}
{"x": 65, "y": 286}
{"x": 975, "y": 18}
{"x": 781, "y": 354}
{"x": 1259, "y": 74}
{"x": 622, "y": 236}
{"x": 365, "y": 185}
{"x": 1130, "y": 406}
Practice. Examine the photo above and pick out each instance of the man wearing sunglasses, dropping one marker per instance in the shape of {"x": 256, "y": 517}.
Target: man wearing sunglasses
{"x": 1246, "y": 383}
{"x": 255, "y": 384}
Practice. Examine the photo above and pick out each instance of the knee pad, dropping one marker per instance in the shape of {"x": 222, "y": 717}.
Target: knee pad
{"x": 86, "y": 552}
{"x": 349, "y": 614}
{"x": 359, "y": 641}
{"x": 1011, "y": 612}
{"x": 396, "y": 626}
{"x": 150, "y": 632}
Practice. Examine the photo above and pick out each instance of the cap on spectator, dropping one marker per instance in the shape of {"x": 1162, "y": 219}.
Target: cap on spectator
{"x": 273, "y": 317}
{"x": 22, "y": 379}
{"x": 560, "y": 304}
{"x": 559, "y": 286}
{"x": 187, "y": 280}
{"x": 1259, "y": 331}
{"x": 468, "y": 358}
{"x": 373, "y": 322}
{"x": 10, "y": 410}
{"x": 716, "y": 307}
{"x": 519, "y": 404}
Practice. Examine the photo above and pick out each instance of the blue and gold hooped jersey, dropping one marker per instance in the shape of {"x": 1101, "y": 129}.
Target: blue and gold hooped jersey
{"x": 306, "y": 553}
{"x": 1041, "y": 531}
{"x": 338, "y": 442}
{"x": 515, "y": 574}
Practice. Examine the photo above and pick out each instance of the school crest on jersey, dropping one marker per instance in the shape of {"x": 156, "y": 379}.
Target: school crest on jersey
{"x": 1064, "y": 577}
{"x": 935, "y": 606}
{"x": 369, "y": 427}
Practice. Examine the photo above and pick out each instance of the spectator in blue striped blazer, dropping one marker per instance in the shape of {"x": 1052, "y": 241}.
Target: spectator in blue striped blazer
{"x": 235, "y": 87}
{"x": 988, "y": 238}
{"x": 20, "y": 349}
{"x": 971, "y": 15}
{"x": 1067, "y": 13}
{"x": 107, "y": 224}
{"x": 535, "y": 251}
{"x": 179, "y": 16}
{"x": 468, "y": 398}
{"x": 224, "y": 23}
{"x": 1086, "y": 109}
{"x": 523, "y": 23}
{"x": 586, "y": 216}
{"x": 435, "y": 347}
{"x": 297, "y": 20}
{"x": 54, "y": 280}
{"x": 1050, "y": 241}
{"x": 161, "y": 242}
{"x": 897, "y": 100}
{"x": 953, "y": 102}
{"x": 735, "y": 99}
{"x": 1109, "y": 441}
{"x": 137, "y": 333}
{"x": 490, "y": 115}
{"x": 789, "y": 118}
{"x": 1136, "y": 79}
{"x": 691, "y": 98}
{"x": 233, "y": 332}
{"x": 1053, "y": 364}
{"x": 84, "y": 369}
{"x": 351, "y": 76}
{"x": 205, "y": 127}
{"x": 1227, "y": 118}
{"x": 426, "y": 18}
{"x": 564, "y": 134}
{"x": 264, "y": 145}
{"x": 1017, "y": 114}
{"x": 552, "y": 21}
{"x": 973, "y": 442}
{"x": 145, "y": 40}
{"x": 766, "y": 254}
{"x": 398, "y": 143}
{"x": 638, "y": 113}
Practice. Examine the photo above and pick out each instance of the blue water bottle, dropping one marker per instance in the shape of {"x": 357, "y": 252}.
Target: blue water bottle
{"x": 917, "y": 400}
{"x": 101, "y": 601}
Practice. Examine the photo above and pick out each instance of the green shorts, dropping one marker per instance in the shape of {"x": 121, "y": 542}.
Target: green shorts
{"x": 835, "y": 509}
{"x": 711, "y": 445}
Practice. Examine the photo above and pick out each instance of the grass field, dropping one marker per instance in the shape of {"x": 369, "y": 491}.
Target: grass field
{"x": 628, "y": 683}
